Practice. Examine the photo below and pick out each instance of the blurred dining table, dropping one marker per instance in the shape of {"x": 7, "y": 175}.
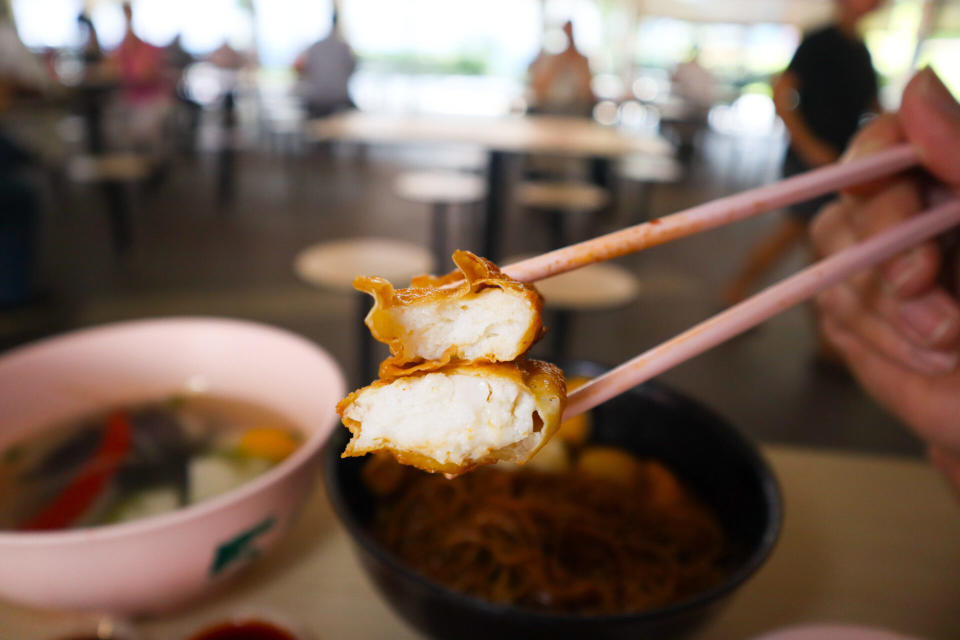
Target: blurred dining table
{"x": 500, "y": 136}
{"x": 869, "y": 540}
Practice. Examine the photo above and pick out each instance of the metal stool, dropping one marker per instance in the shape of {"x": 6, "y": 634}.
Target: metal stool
{"x": 596, "y": 287}
{"x": 113, "y": 171}
{"x": 442, "y": 190}
{"x": 334, "y": 265}
{"x": 561, "y": 200}
{"x": 646, "y": 172}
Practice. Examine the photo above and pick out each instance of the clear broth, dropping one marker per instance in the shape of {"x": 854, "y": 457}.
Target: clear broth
{"x": 138, "y": 461}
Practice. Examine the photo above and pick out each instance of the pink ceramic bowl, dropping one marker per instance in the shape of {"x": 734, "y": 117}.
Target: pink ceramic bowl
{"x": 156, "y": 563}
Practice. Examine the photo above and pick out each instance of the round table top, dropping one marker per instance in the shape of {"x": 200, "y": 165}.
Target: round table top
{"x": 562, "y": 196}
{"x": 592, "y": 288}
{"x": 335, "y": 264}
{"x": 440, "y": 187}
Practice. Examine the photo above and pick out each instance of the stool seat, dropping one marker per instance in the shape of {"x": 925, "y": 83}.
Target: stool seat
{"x": 596, "y": 287}
{"x": 651, "y": 169}
{"x": 335, "y": 264}
{"x": 119, "y": 167}
{"x": 560, "y": 196}
{"x": 440, "y": 187}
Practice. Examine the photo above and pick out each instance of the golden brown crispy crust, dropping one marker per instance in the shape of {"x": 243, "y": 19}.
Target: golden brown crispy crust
{"x": 473, "y": 275}
{"x": 544, "y": 380}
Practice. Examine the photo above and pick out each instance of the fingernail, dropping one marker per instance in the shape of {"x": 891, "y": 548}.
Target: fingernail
{"x": 937, "y": 94}
{"x": 862, "y": 148}
{"x": 930, "y": 318}
{"x": 903, "y": 270}
{"x": 938, "y": 362}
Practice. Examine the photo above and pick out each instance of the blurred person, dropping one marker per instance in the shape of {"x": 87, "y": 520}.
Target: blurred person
{"x": 897, "y": 326}
{"x": 325, "y": 69}
{"x": 826, "y": 91}
{"x": 694, "y": 83}
{"x": 227, "y": 58}
{"x": 146, "y": 88}
{"x": 91, "y": 53}
{"x": 561, "y": 82}
{"x": 697, "y": 88}
{"x": 176, "y": 57}
{"x": 21, "y": 72}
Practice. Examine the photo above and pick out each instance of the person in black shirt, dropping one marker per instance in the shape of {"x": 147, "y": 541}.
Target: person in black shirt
{"x": 822, "y": 97}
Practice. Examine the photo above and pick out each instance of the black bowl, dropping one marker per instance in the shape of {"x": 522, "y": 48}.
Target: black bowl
{"x": 722, "y": 467}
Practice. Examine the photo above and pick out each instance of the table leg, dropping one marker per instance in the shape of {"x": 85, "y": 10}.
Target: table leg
{"x": 559, "y": 332}
{"x": 601, "y": 174}
{"x": 227, "y": 156}
{"x": 496, "y": 203}
{"x": 558, "y": 224}
{"x": 119, "y": 215}
{"x": 93, "y": 119}
{"x": 365, "y": 371}
{"x": 439, "y": 232}
{"x": 643, "y": 202}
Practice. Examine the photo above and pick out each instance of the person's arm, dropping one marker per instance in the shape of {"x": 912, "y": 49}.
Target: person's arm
{"x": 898, "y": 326}
{"x": 814, "y": 151}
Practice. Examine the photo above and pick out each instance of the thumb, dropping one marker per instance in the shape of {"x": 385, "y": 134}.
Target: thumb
{"x": 930, "y": 117}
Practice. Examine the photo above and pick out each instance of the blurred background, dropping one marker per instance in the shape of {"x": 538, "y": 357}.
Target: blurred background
{"x": 246, "y": 158}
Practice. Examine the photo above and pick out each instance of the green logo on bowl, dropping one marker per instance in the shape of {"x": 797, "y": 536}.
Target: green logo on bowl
{"x": 239, "y": 548}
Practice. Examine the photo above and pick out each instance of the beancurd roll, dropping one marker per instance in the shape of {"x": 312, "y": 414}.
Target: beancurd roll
{"x": 456, "y": 418}
{"x": 473, "y": 314}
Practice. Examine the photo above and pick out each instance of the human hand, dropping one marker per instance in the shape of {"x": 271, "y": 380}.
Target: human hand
{"x": 897, "y": 326}
{"x": 816, "y": 153}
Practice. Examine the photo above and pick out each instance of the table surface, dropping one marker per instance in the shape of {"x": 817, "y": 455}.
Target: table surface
{"x": 541, "y": 134}
{"x": 866, "y": 540}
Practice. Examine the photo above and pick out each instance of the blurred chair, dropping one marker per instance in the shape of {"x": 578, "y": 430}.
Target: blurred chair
{"x": 596, "y": 287}
{"x": 333, "y": 265}
{"x": 561, "y": 200}
{"x": 115, "y": 174}
{"x": 645, "y": 172}
{"x": 443, "y": 191}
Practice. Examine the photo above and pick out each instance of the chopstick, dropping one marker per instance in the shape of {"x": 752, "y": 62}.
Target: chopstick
{"x": 715, "y": 214}
{"x": 766, "y": 304}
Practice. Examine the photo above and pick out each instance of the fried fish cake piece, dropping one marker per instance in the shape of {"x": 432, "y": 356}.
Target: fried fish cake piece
{"x": 459, "y": 417}
{"x": 473, "y": 314}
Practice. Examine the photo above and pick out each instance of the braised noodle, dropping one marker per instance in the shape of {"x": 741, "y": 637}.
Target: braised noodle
{"x": 561, "y": 542}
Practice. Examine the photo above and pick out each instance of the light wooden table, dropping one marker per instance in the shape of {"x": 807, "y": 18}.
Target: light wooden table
{"x": 564, "y": 135}
{"x": 867, "y": 540}
{"x": 499, "y": 136}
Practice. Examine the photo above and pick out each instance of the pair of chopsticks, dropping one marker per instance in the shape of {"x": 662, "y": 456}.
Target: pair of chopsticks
{"x": 766, "y": 304}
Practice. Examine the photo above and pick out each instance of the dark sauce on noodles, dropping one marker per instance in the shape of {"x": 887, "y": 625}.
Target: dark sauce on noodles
{"x": 572, "y": 541}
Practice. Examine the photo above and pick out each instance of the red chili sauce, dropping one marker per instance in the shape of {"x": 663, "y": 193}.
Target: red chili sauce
{"x": 244, "y": 630}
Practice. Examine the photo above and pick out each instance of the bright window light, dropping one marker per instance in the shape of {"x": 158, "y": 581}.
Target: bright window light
{"x": 159, "y": 21}
{"x": 444, "y": 31}
{"x": 108, "y": 21}
{"x": 47, "y": 23}
{"x": 285, "y": 28}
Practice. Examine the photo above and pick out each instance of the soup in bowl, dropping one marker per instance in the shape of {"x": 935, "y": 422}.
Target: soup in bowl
{"x": 151, "y": 461}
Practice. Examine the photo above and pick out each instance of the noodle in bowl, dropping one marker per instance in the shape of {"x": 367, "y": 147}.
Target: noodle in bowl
{"x": 722, "y": 469}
